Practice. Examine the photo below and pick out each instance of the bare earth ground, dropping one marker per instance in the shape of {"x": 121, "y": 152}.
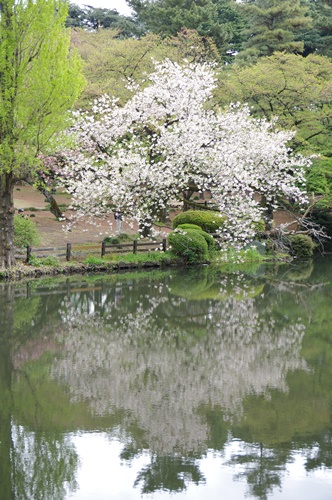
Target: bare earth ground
{"x": 51, "y": 230}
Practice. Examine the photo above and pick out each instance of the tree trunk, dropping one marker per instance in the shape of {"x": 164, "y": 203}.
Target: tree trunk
{"x": 7, "y": 250}
{"x": 54, "y": 207}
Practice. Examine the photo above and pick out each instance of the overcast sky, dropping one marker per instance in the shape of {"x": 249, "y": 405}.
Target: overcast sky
{"x": 119, "y": 5}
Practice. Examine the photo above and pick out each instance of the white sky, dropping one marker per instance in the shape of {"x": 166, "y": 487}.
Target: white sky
{"x": 119, "y": 5}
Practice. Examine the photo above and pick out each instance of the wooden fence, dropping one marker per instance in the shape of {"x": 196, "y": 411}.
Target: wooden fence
{"x": 69, "y": 253}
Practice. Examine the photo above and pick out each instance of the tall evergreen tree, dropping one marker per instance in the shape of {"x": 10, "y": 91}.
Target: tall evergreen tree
{"x": 273, "y": 25}
{"x": 39, "y": 81}
{"x": 93, "y": 18}
{"x": 219, "y": 19}
{"x": 318, "y": 40}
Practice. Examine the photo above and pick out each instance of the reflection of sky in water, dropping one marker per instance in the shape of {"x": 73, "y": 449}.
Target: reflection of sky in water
{"x": 103, "y": 476}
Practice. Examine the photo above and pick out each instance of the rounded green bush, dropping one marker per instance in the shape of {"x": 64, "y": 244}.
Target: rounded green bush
{"x": 189, "y": 226}
{"x": 301, "y": 246}
{"x": 207, "y": 220}
{"x": 190, "y": 245}
{"x": 25, "y": 232}
{"x": 212, "y": 244}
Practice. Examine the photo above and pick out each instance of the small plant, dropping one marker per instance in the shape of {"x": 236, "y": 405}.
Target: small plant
{"x": 50, "y": 260}
{"x": 92, "y": 260}
{"x": 207, "y": 220}
{"x": 25, "y": 232}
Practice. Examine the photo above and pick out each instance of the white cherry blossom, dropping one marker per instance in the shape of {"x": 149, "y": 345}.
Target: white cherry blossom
{"x": 168, "y": 136}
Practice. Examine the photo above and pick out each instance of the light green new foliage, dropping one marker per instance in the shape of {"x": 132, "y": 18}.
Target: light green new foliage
{"x": 40, "y": 80}
{"x": 25, "y": 232}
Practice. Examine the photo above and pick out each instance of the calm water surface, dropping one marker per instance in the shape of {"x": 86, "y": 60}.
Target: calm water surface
{"x": 185, "y": 384}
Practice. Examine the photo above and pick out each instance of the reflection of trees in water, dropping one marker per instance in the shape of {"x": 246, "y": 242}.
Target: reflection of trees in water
{"x": 33, "y": 465}
{"x": 163, "y": 357}
{"x": 45, "y": 465}
{"x": 262, "y": 467}
{"x": 168, "y": 473}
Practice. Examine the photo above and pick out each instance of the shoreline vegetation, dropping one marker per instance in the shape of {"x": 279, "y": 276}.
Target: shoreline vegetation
{"x": 129, "y": 262}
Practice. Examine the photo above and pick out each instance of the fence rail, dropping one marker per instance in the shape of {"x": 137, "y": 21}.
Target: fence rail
{"x": 69, "y": 254}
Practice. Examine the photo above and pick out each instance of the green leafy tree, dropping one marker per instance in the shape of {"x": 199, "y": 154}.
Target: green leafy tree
{"x": 39, "y": 80}
{"x": 273, "y": 25}
{"x": 291, "y": 87}
{"x": 112, "y": 64}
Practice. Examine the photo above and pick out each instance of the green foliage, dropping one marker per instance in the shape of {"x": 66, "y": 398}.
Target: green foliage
{"x": 301, "y": 246}
{"x": 205, "y": 219}
{"x": 95, "y": 18}
{"x": 273, "y": 26}
{"x": 112, "y": 240}
{"x": 49, "y": 261}
{"x": 260, "y": 226}
{"x": 25, "y": 232}
{"x": 319, "y": 177}
{"x": 190, "y": 245}
{"x": 211, "y": 242}
{"x": 318, "y": 40}
{"x": 292, "y": 87}
{"x": 109, "y": 61}
{"x": 219, "y": 19}
{"x": 323, "y": 217}
{"x": 39, "y": 79}
{"x": 189, "y": 226}
{"x": 92, "y": 260}
{"x": 142, "y": 257}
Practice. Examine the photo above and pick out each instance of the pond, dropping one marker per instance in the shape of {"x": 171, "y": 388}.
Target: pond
{"x": 183, "y": 384}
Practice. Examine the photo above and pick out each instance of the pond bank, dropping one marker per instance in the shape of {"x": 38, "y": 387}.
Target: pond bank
{"x": 26, "y": 271}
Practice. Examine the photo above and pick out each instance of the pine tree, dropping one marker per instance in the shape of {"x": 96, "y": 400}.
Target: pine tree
{"x": 273, "y": 26}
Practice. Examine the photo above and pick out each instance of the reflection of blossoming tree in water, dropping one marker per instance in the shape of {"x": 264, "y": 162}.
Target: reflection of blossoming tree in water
{"x": 160, "y": 372}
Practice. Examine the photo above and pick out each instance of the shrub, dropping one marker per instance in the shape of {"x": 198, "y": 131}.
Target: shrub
{"x": 301, "y": 246}
{"x": 213, "y": 246}
{"x": 189, "y": 226}
{"x": 25, "y": 232}
{"x": 190, "y": 245}
{"x": 207, "y": 220}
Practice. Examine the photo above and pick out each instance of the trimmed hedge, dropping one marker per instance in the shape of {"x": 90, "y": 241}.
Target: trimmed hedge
{"x": 205, "y": 219}
{"x": 189, "y": 226}
{"x": 190, "y": 245}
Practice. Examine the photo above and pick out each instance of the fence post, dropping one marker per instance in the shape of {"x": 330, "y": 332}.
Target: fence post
{"x": 164, "y": 244}
{"x": 68, "y": 252}
{"x": 135, "y": 246}
{"x": 103, "y": 248}
{"x": 28, "y": 253}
